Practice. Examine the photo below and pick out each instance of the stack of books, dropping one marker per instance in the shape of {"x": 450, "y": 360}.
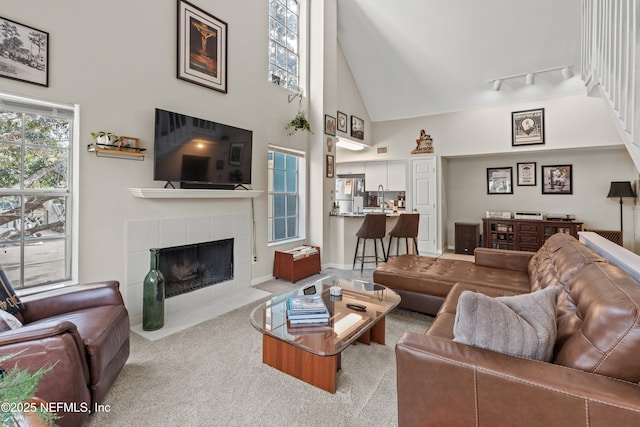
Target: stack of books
{"x": 307, "y": 310}
{"x": 302, "y": 252}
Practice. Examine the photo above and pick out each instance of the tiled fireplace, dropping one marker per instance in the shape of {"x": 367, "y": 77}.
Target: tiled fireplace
{"x": 201, "y": 304}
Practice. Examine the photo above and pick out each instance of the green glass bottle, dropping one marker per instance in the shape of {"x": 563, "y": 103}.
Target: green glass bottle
{"x": 153, "y": 296}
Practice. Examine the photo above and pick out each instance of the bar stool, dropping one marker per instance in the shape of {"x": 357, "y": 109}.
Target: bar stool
{"x": 373, "y": 227}
{"x": 406, "y": 227}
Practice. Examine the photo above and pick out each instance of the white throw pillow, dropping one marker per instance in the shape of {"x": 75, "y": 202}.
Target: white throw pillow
{"x": 10, "y": 320}
{"x": 522, "y": 325}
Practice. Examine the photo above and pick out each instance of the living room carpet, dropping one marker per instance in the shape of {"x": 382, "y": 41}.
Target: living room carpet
{"x": 212, "y": 374}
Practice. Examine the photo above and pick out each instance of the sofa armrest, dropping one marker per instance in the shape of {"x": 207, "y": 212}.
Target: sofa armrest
{"x": 54, "y": 344}
{"x": 503, "y": 258}
{"x": 68, "y": 299}
{"x": 441, "y": 382}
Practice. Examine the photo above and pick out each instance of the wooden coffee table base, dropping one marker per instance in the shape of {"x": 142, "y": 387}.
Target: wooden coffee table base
{"x": 319, "y": 371}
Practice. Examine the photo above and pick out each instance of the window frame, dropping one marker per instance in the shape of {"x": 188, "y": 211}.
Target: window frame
{"x": 71, "y": 192}
{"x": 300, "y": 194}
{"x": 273, "y": 44}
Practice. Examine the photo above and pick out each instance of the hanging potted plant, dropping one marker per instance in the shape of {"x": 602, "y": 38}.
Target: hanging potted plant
{"x": 299, "y": 122}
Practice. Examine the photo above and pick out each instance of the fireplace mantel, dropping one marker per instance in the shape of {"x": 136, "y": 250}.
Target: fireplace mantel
{"x": 182, "y": 193}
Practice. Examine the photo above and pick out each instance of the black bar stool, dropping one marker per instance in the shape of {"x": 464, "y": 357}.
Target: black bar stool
{"x": 406, "y": 228}
{"x": 373, "y": 227}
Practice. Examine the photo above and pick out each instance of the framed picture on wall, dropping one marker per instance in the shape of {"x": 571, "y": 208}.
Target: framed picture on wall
{"x": 527, "y": 174}
{"x": 25, "y": 53}
{"x": 557, "y": 179}
{"x": 499, "y": 180}
{"x": 527, "y": 127}
{"x": 357, "y": 127}
{"x": 342, "y": 122}
{"x": 202, "y": 47}
{"x": 329, "y": 125}
{"x": 330, "y": 166}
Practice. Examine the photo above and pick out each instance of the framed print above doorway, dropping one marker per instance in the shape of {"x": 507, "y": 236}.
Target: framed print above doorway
{"x": 527, "y": 127}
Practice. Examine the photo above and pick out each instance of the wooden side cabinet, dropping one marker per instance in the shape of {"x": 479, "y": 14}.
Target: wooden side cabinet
{"x": 524, "y": 235}
{"x": 297, "y": 263}
{"x": 467, "y": 235}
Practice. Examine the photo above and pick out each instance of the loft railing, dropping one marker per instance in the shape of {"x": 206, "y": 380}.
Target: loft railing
{"x": 610, "y": 63}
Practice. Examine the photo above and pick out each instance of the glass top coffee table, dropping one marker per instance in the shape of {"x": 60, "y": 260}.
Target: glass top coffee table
{"x": 312, "y": 352}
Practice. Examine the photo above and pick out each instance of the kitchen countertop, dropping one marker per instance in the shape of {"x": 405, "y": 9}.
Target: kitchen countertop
{"x": 388, "y": 212}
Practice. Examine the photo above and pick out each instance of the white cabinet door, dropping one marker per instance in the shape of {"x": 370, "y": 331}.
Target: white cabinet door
{"x": 349, "y": 168}
{"x": 396, "y": 175}
{"x": 375, "y": 174}
{"x": 424, "y": 202}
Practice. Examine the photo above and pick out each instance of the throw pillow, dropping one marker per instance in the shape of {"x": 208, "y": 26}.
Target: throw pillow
{"x": 10, "y": 320}
{"x": 9, "y": 301}
{"x": 521, "y": 325}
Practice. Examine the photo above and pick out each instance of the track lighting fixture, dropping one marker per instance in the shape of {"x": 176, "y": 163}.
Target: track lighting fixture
{"x": 497, "y": 84}
{"x": 529, "y": 78}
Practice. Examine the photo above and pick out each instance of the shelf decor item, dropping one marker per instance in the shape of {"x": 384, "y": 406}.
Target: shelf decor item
{"x": 106, "y": 139}
{"x": 25, "y": 53}
{"x": 153, "y": 296}
{"x": 202, "y": 47}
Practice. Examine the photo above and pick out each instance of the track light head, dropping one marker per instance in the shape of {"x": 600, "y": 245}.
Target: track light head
{"x": 567, "y": 73}
{"x": 529, "y": 79}
{"x": 497, "y": 84}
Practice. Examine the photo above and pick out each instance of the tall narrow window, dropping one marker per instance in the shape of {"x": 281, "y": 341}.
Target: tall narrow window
{"x": 35, "y": 193}
{"x": 284, "y": 55}
{"x": 286, "y": 183}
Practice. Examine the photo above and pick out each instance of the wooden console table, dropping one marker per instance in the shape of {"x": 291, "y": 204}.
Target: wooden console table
{"x": 523, "y": 234}
{"x": 297, "y": 263}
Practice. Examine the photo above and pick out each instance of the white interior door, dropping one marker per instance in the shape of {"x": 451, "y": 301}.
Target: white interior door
{"x": 424, "y": 202}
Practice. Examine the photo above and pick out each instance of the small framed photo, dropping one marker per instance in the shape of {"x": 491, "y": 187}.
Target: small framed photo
{"x": 330, "y": 166}
{"x": 557, "y": 179}
{"x": 499, "y": 180}
{"x": 342, "y": 122}
{"x": 527, "y": 174}
{"x": 357, "y": 127}
{"x": 329, "y": 125}
{"x": 235, "y": 153}
{"x": 129, "y": 142}
{"x": 202, "y": 47}
{"x": 527, "y": 127}
{"x": 24, "y": 55}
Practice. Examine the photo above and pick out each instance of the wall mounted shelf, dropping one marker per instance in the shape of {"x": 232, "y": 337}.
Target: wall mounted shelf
{"x": 130, "y": 153}
{"x": 183, "y": 193}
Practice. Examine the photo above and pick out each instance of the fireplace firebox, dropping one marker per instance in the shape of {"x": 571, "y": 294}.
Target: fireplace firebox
{"x": 190, "y": 267}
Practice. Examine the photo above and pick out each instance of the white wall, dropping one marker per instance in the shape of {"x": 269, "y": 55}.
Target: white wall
{"x": 117, "y": 60}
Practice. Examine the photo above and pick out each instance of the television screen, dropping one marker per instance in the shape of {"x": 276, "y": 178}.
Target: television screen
{"x": 200, "y": 153}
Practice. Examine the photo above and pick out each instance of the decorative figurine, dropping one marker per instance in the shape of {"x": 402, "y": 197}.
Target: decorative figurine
{"x": 424, "y": 144}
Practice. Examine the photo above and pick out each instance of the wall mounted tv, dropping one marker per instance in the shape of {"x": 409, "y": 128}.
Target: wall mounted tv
{"x": 200, "y": 153}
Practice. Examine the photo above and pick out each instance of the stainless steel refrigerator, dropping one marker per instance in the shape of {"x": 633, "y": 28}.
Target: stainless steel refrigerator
{"x": 350, "y": 193}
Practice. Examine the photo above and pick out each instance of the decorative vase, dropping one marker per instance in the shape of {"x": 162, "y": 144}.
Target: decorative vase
{"x": 153, "y": 296}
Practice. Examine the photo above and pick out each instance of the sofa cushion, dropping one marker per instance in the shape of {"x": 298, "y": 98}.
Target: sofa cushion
{"x": 558, "y": 260}
{"x": 599, "y": 323}
{"x": 521, "y": 325}
{"x": 9, "y": 320}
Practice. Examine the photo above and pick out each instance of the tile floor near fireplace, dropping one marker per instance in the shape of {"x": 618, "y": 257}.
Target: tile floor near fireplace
{"x": 185, "y": 310}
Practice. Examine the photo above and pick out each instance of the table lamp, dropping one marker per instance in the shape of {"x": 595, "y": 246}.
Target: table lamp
{"x": 621, "y": 189}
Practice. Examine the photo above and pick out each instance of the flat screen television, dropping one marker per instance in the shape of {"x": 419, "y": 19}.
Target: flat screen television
{"x": 200, "y": 153}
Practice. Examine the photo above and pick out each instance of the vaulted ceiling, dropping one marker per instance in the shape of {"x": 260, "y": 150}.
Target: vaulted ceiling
{"x": 412, "y": 58}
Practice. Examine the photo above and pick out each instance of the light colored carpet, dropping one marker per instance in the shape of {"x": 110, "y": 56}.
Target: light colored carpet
{"x": 212, "y": 374}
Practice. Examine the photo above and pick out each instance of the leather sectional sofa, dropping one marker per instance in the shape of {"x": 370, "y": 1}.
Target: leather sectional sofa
{"x": 84, "y": 331}
{"x": 592, "y": 377}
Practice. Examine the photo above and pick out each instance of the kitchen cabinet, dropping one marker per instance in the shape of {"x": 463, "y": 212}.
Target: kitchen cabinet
{"x": 392, "y": 175}
{"x": 349, "y": 168}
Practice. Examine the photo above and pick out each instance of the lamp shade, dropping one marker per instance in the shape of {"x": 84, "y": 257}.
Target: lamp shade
{"x": 621, "y": 189}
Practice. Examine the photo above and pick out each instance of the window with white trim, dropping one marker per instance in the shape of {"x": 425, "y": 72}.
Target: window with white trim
{"x": 35, "y": 192}
{"x": 286, "y": 194}
{"x": 284, "y": 43}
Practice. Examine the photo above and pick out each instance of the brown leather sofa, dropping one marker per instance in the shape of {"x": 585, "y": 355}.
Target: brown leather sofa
{"x": 84, "y": 331}
{"x": 592, "y": 379}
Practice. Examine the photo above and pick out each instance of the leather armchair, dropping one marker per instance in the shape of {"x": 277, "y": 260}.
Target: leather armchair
{"x": 84, "y": 331}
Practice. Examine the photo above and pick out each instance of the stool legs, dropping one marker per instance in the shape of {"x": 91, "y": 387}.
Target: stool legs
{"x": 406, "y": 242}
{"x": 364, "y": 248}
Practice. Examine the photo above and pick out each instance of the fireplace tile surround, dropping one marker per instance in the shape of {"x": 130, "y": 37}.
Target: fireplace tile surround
{"x": 200, "y": 305}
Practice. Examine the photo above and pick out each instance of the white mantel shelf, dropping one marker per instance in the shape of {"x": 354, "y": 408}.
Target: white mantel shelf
{"x": 183, "y": 193}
